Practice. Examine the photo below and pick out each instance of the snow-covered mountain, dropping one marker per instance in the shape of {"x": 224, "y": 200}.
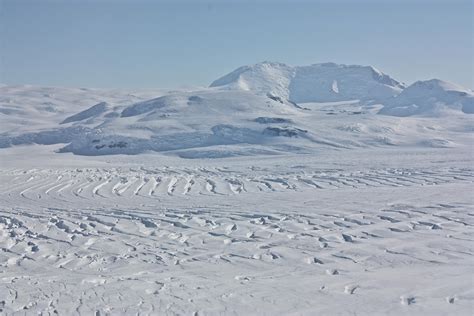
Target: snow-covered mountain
{"x": 430, "y": 97}
{"x": 325, "y": 82}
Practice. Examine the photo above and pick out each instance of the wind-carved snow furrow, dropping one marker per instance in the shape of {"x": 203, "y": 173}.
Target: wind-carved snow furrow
{"x": 433, "y": 179}
{"x": 345, "y": 182}
{"x": 388, "y": 180}
{"x": 236, "y": 186}
{"x": 155, "y": 182}
{"x": 52, "y": 188}
{"x": 95, "y": 190}
{"x": 211, "y": 186}
{"x": 362, "y": 183}
{"x": 35, "y": 188}
{"x": 67, "y": 185}
{"x": 13, "y": 188}
{"x": 57, "y": 192}
{"x": 281, "y": 182}
{"x": 133, "y": 183}
{"x": 310, "y": 183}
{"x": 188, "y": 186}
{"x": 381, "y": 181}
{"x": 81, "y": 187}
{"x": 410, "y": 181}
{"x": 123, "y": 185}
{"x": 142, "y": 183}
{"x": 172, "y": 185}
{"x": 329, "y": 181}
{"x": 267, "y": 185}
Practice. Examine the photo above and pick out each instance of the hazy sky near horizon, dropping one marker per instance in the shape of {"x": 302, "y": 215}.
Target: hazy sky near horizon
{"x": 170, "y": 44}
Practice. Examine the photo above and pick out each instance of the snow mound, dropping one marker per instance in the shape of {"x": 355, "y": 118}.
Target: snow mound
{"x": 430, "y": 98}
{"x": 327, "y": 82}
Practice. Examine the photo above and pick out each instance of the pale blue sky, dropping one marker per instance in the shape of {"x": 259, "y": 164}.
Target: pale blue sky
{"x": 180, "y": 43}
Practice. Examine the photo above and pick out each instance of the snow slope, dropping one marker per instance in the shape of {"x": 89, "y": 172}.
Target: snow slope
{"x": 325, "y": 82}
{"x": 92, "y": 112}
{"x": 432, "y": 97}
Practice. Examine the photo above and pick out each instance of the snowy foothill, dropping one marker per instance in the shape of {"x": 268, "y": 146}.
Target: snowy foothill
{"x": 324, "y": 189}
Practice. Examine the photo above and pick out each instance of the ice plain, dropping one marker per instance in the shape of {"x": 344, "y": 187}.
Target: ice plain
{"x": 234, "y": 200}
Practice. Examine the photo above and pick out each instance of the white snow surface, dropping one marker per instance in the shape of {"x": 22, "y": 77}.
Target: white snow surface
{"x": 225, "y": 201}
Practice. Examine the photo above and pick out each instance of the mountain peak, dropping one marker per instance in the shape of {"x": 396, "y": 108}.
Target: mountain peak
{"x": 322, "y": 82}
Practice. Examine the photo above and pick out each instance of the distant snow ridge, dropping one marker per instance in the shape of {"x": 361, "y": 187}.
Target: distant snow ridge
{"x": 326, "y": 82}
{"x": 93, "y": 111}
{"x": 154, "y": 104}
{"x": 431, "y": 98}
